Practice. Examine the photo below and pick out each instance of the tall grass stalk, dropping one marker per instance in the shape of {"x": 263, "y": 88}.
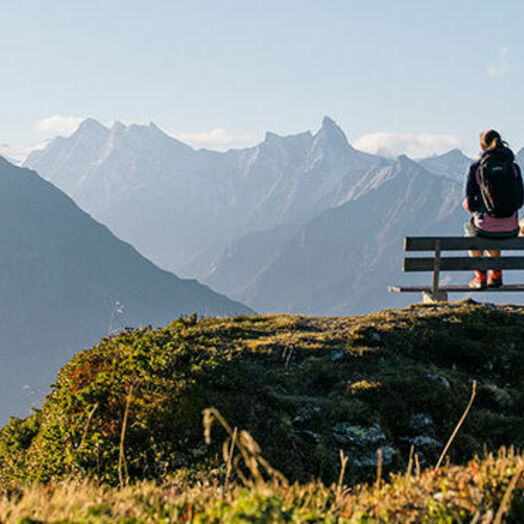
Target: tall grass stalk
{"x": 458, "y": 426}
{"x": 123, "y": 475}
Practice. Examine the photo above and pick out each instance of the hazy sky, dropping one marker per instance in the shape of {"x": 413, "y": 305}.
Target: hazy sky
{"x": 222, "y": 72}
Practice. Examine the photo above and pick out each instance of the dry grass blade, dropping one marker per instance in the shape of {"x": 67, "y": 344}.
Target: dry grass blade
{"x": 507, "y": 496}
{"x": 468, "y": 498}
{"x": 379, "y": 468}
{"x": 458, "y": 426}
{"x": 210, "y": 415}
{"x": 343, "y": 465}
{"x": 122, "y": 465}
{"x": 229, "y": 448}
{"x": 410, "y": 461}
{"x": 249, "y": 450}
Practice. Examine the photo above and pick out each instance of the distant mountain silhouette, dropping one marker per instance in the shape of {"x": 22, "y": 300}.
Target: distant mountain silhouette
{"x": 61, "y": 276}
{"x": 173, "y": 203}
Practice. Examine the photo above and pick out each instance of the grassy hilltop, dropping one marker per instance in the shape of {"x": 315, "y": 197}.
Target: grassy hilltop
{"x": 305, "y": 388}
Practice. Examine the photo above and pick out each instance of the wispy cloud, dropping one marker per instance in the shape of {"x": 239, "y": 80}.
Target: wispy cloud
{"x": 218, "y": 139}
{"x": 500, "y": 64}
{"x": 58, "y": 125}
{"x": 413, "y": 145}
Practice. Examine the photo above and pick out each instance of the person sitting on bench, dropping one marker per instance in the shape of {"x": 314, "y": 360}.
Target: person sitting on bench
{"x": 494, "y": 194}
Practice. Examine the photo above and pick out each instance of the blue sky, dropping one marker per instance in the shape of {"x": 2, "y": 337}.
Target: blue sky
{"x": 228, "y": 70}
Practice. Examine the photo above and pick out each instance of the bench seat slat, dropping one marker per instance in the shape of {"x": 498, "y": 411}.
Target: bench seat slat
{"x": 456, "y": 289}
{"x": 463, "y": 263}
{"x": 462, "y": 243}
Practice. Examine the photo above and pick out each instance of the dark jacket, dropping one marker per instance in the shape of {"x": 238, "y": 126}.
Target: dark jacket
{"x": 473, "y": 196}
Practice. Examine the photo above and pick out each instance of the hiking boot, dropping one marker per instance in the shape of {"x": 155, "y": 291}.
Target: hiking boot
{"x": 495, "y": 278}
{"x": 479, "y": 282}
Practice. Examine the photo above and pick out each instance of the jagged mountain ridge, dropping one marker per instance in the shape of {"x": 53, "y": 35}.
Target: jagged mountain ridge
{"x": 173, "y": 202}
{"x": 342, "y": 261}
{"x": 453, "y": 164}
{"x": 61, "y": 274}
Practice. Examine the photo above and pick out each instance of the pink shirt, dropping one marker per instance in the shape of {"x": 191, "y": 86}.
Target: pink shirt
{"x": 492, "y": 224}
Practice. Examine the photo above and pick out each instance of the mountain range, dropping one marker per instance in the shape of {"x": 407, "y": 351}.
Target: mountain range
{"x": 66, "y": 280}
{"x": 301, "y": 223}
{"x": 175, "y": 204}
{"x": 344, "y": 259}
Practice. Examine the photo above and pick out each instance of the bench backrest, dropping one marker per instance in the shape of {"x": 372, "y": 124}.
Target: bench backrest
{"x": 462, "y": 263}
{"x": 462, "y": 243}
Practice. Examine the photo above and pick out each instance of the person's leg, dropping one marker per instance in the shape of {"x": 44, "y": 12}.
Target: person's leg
{"x": 480, "y": 279}
{"x": 495, "y": 275}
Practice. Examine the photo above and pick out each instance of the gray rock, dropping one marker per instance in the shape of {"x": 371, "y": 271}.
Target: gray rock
{"x": 306, "y": 414}
{"x": 181, "y": 460}
{"x": 370, "y": 459}
{"x": 348, "y": 434}
{"x": 420, "y": 421}
{"x": 440, "y": 379}
{"x": 425, "y": 442}
{"x": 199, "y": 452}
{"x": 375, "y": 336}
{"x": 336, "y": 355}
{"x": 310, "y": 436}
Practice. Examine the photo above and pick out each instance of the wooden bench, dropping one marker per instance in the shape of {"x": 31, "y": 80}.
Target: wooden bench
{"x": 437, "y": 263}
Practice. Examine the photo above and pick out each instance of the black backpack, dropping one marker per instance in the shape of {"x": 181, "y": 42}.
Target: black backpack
{"x": 500, "y": 185}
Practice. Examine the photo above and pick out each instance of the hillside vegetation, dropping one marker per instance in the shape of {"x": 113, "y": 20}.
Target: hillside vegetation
{"x": 304, "y": 388}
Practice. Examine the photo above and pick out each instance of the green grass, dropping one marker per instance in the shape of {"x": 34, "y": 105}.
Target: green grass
{"x": 302, "y": 387}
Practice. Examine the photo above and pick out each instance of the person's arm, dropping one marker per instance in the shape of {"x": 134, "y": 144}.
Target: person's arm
{"x": 472, "y": 200}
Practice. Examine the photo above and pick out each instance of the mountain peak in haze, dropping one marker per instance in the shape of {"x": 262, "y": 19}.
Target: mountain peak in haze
{"x": 270, "y": 136}
{"x": 406, "y": 165}
{"x": 90, "y": 124}
{"x": 330, "y": 134}
{"x": 455, "y": 152}
{"x": 118, "y": 127}
{"x": 328, "y": 122}
{"x": 453, "y": 164}
{"x": 404, "y": 160}
{"x": 90, "y": 128}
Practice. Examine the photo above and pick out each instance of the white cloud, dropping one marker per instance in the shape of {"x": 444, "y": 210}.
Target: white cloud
{"x": 415, "y": 146}
{"x": 218, "y": 139}
{"x": 500, "y": 64}
{"x": 16, "y": 155}
{"x": 58, "y": 125}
